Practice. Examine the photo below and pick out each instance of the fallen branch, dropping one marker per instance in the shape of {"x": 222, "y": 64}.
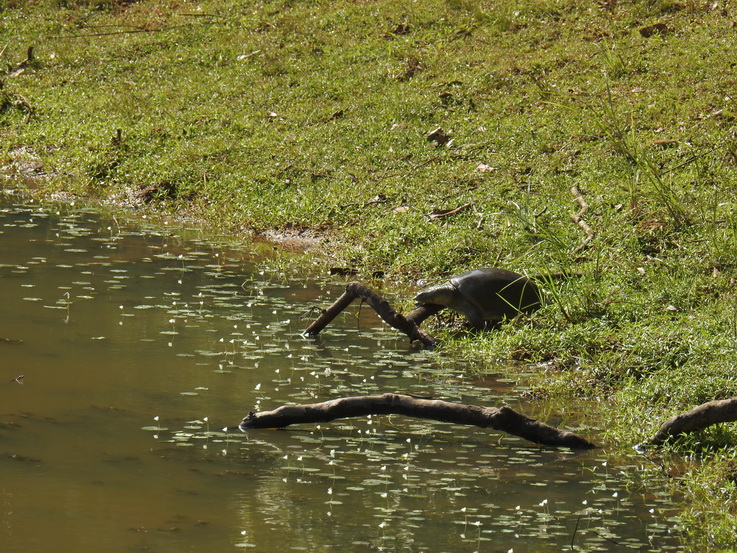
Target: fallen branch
{"x": 439, "y": 214}
{"x": 698, "y": 418}
{"x": 22, "y": 66}
{"x": 133, "y": 29}
{"x": 21, "y": 101}
{"x": 579, "y": 220}
{"x": 498, "y": 418}
{"x": 407, "y": 325}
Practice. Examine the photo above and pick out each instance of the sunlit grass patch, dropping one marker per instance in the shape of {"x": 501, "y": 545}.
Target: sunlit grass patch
{"x": 365, "y": 121}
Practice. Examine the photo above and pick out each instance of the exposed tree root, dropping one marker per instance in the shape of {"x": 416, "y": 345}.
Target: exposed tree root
{"x": 498, "y": 418}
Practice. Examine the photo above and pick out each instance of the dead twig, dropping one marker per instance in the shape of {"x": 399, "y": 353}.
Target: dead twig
{"x": 20, "y": 68}
{"x": 17, "y": 101}
{"x": 579, "y": 220}
{"x": 439, "y": 214}
{"x": 133, "y": 30}
{"x": 21, "y": 101}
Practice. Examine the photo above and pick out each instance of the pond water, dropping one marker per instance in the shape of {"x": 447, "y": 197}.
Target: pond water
{"x": 130, "y": 353}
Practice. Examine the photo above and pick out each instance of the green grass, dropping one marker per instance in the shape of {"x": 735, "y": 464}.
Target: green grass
{"x": 315, "y": 115}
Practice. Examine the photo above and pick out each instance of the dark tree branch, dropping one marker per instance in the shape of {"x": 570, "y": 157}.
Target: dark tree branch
{"x": 698, "y": 418}
{"x": 424, "y": 311}
{"x": 498, "y": 418}
{"x": 355, "y": 290}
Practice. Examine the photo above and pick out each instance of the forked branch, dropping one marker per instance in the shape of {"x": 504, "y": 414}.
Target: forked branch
{"x": 355, "y": 290}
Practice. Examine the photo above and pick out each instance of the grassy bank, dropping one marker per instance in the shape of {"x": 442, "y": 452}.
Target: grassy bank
{"x": 361, "y": 122}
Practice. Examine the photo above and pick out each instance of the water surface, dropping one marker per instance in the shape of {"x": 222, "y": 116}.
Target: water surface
{"x": 140, "y": 350}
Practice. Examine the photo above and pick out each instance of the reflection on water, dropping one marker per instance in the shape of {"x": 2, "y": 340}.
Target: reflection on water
{"x": 141, "y": 351}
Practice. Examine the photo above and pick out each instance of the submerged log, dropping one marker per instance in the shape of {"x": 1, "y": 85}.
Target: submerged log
{"x": 355, "y": 290}
{"x": 499, "y": 418}
{"x": 698, "y": 418}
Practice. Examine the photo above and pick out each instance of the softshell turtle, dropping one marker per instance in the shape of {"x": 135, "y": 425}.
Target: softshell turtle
{"x": 485, "y": 295}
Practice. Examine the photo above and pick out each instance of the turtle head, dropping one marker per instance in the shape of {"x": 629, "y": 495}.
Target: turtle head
{"x": 442, "y": 294}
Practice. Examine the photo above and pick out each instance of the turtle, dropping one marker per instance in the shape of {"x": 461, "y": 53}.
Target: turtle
{"x": 485, "y": 295}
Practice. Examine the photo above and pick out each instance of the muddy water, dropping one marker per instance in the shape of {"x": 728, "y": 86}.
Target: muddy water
{"x": 141, "y": 350}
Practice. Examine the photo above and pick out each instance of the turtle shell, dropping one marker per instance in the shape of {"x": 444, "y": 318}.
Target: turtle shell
{"x": 485, "y": 295}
